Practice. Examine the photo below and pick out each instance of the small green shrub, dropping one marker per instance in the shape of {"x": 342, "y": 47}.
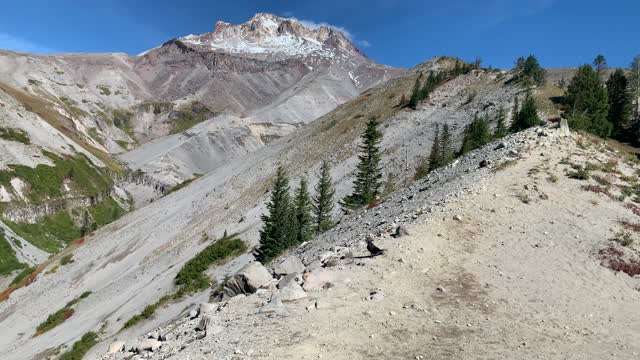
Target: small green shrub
{"x": 81, "y": 347}
{"x": 580, "y": 173}
{"x": 60, "y": 316}
{"x": 66, "y": 260}
{"x": 191, "y": 277}
{"x": 183, "y": 184}
{"x": 623, "y": 238}
{"x": 22, "y": 275}
{"x": 104, "y": 90}
{"x": 12, "y": 134}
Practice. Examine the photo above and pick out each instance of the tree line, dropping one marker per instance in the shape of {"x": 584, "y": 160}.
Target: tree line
{"x": 610, "y": 108}
{"x": 295, "y": 218}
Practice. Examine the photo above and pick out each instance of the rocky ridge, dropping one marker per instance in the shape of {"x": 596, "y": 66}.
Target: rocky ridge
{"x": 340, "y": 302}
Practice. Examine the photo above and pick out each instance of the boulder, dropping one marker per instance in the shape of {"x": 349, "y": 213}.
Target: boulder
{"x": 563, "y": 129}
{"x": 289, "y": 265}
{"x": 205, "y": 321}
{"x": 291, "y": 278}
{"x": 153, "y": 335}
{"x": 208, "y": 308}
{"x": 246, "y": 281}
{"x": 318, "y": 279}
{"x": 292, "y": 291}
{"x": 274, "y": 305}
{"x": 194, "y": 313}
{"x": 168, "y": 336}
{"x": 116, "y": 347}
{"x": 148, "y": 345}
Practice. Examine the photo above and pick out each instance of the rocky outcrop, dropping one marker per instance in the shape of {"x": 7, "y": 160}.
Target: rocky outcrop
{"x": 250, "y": 278}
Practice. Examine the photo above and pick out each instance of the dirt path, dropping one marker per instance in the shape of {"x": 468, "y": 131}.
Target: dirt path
{"x": 508, "y": 280}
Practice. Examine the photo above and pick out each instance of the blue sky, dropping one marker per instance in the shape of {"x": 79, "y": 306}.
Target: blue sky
{"x": 393, "y": 32}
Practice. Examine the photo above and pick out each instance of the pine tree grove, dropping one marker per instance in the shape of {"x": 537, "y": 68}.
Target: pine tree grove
{"x": 588, "y": 101}
{"x": 476, "y": 134}
{"x": 619, "y": 102}
{"x": 501, "y": 126}
{"x": 527, "y": 116}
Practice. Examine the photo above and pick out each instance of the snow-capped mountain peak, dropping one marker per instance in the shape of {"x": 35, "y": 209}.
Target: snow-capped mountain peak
{"x": 268, "y": 34}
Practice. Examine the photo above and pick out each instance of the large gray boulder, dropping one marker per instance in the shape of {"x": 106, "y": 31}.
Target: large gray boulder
{"x": 289, "y": 265}
{"x": 246, "y": 281}
{"x": 116, "y": 347}
{"x": 291, "y": 291}
{"x": 148, "y": 345}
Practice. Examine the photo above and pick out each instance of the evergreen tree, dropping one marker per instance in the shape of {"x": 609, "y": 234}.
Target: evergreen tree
{"x": 368, "y": 181}
{"x": 619, "y": 102}
{"x": 588, "y": 102}
{"x": 501, "y": 127}
{"x": 514, "y": 113}
{"x": 476, "y": 134}
{"x": 278, "y": 229}
{"x": 415, "y": 95}
{"x": 435, "y": 156}
{"x": 527, "y": 116}
{"x": 302, "y": 208}
{"x": 635, "y": 91}
{"x": 529, "y": 71}
{"x": 323, "y": 201}
{"x": 600, "y": 64}
{"x": 446, "y": 150}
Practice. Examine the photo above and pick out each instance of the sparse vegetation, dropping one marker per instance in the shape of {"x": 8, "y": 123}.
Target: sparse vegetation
{"x": 183, "y": 184}
{"x": 46, "y": 182}
{"x": 8, "y": 261}
{"x": 106, "y": 211}
{"x": 50, "y": 234}
{"x": 67, "y": 259}
{"x": 22, "y": 275}
{"x": 81, "y": 347}
{"x": 623, "y": 238}
{"x": 580, "y": 173}
{"x": 191, "y": 277}
{"x": 104, "y": 89}
{"x": 12, "y": 134}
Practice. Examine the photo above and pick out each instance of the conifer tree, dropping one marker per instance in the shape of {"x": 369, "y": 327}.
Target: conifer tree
{"x": 514, "y": 112}
{"x": 635, "y": 91}
{"x": 446, "y": 150}
{"x": 278, "y": 229}
{"x": 501, "y": 127}
{"x": 600, "y": 64}
{"x": 369, "y": 177}
{"x": 323, "y": 200}
{"x": 527, "y": 116}
{"x": 588, "y": 102}
{"x": 619, "y": 102}
{"x": 476, "y": 134}
{"x": 415, "y": 95}
{"x": 302, "y": 208}
{"x": 435, "y": 154}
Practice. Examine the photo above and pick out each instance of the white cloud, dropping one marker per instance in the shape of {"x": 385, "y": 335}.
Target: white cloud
{"x": 363, "y": 43}
{"x": 15, "y": 43}
{"x": 315, "y": 25}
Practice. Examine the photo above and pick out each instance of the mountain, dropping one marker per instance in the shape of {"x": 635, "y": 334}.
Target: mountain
{"x": 132, "y": 262}
{"x": 138, "y": 125}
